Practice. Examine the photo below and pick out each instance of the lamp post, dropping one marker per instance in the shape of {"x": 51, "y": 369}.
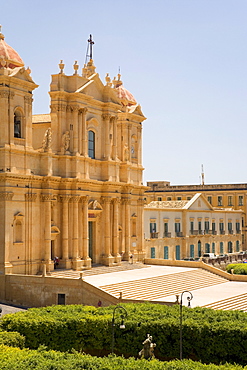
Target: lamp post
{"x": 123, "y": 315}
{"x": 189, "y": 298}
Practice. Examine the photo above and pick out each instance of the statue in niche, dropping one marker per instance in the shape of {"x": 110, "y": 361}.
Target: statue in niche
{"x": 126, "y": 153}
{"x": 46, "y": 143}
{"x": 65, "y": 142}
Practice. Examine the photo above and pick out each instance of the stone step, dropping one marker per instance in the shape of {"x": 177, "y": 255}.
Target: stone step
{"x": 164, "y": 285}
{"x": 238, "y": 302}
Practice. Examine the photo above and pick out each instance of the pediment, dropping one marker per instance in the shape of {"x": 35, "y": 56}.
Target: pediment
{"x": 136, "y": 109}
{"x": 198, "y": 202}
{"x": 94, "y": 205}
{"x": 92, "y": 87}
{"x": 22, "y": 74}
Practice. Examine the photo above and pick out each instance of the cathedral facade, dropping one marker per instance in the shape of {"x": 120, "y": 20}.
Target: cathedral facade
{"x": 71, "y": 180}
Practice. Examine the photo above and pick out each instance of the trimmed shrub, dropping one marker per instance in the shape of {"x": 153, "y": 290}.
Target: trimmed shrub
{"x": 12, "y": 339}
{"x": 12, "y": 358}
{"x": 208, "y": 335}
{"x": 238, "y": 268}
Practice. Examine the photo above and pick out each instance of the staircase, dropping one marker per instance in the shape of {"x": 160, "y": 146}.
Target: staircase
{"x": 238, "y": 302}
{"x": 157, "y": 287}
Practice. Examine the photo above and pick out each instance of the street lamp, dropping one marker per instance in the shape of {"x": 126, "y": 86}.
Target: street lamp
{"x": 123, "y": 315}
{"x": 189, "y": 298}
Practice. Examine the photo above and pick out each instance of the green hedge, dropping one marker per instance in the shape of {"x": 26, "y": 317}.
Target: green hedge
{"x": 13, "y": 358}
{"x": 208, "y": 335}
{"x": 238, "y": 268}
{"x": 12, "y": 339}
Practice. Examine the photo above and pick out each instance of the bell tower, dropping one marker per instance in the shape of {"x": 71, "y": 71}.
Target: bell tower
{"x": 16, "y": 86}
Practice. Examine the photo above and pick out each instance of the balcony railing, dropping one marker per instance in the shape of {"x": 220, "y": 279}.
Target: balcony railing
{"x": 179, "y": 233}
{"x": 230, "y": 231}
{"x": 154, "y": 235}
{"x": 222, "y": 232}
{"x": 193, "y": 232}
{"x": 238, "y": 231}
{"x": 214, "y": 232}
{"x": 167, "y": 234}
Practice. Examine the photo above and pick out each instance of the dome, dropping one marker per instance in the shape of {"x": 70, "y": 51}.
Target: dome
{"x": 125, "y": 95}
{"x": 9, "y": 58}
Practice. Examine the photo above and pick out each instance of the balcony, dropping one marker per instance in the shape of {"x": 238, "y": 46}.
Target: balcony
{"x": 200, "y": 232}
{"x": 167, "y": 234}
{"x": 179, "y": 234}
{"x": 230, "y": 231}
{"x": 238, "y": 231}
{"x": 214, "y": 232}
{"x": 154, "y": 235}
{"x": 194, "y": 232}
{"x": 222, "y": 232}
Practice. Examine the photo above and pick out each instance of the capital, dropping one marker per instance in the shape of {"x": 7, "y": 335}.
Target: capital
{"x": 46, "y": 197}
{"x": 64, "y": 198}
{"x": 5, "y": 195}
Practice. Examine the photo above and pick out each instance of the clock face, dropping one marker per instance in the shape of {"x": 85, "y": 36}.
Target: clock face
{"x": 132, "y": 150}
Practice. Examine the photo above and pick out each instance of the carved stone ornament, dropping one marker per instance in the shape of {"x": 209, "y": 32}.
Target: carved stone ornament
{"x": 106, "y": 116}
{"x": 31, "y": 197}
{"x": 6, "y": 195}
{"x": 4, "y": 94}
{"x": 28, "y": 99}
{"x": 46, "y": 197}
{"x": 64, "y": 198}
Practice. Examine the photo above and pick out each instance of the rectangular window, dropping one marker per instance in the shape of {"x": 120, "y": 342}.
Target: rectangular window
{"x": 207, "y": 248}
{"x": 179, "y": 198}
{"x": 152, "y": 252}
{"x": 221, "y": 247}
{"x": 240, "y": 200}
{"x": 213, "y": 226}
{"x": 188, "y": 198}
{"x": 159, "y": 199}
{"x": 229, "y": 226}
{"x": 237, "y": 246}
{"x": 177, "y": 252}
{"x": 213, "y": 247}
{"x": 177, "y": 227}
{"x": 210, "y": 199}
{"x": 166, "y": 253}
{"x": 191, "y": 225}
{"x": 237, "y": 227}
{"x": 206, "y": 224}
{"x": 199, "y": 225}
{"x": 91, "y": 144}
{"x": 230, "y": 200}
{"x": 192, "y": 251}
{"x": 152, "y": 227}
{"x": 61, "y": 299}
{"x": 169, "y": 198}
{"x": 166, "y": 227}
{"x": 220, "y": 203}
{"x": 221, "y": 226}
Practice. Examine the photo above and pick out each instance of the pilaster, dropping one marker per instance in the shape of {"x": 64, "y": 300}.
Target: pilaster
{"x": 65, "y": 231}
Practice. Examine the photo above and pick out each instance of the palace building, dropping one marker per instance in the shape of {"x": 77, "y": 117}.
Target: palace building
{"x": 71, "y": 180}
{"x": 222, "y": 197}
{"x": 186, "y": 229}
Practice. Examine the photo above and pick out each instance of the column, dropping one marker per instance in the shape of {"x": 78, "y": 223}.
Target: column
{"x": 114, "y": 149}
{"x": 75, "y": 243}
{"x": 65, "y": 229}
{"x": 140, "y": 231}
{"x": 127, "y": 229}
{"x": 115, "y": 248}
{"x": 6, "y": 216}
{"x": 106, "y": 137}
{"x": 84, "y": 133}
{"x": 75, "y": 129}
{"x": 107, "y": 258}
{"x": 85, "y": 256}
{"x": 123, "y": 225}
{"x": 47, "y": 198}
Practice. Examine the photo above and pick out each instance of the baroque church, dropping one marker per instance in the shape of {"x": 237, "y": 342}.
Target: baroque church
{"x": 71, "y": 180}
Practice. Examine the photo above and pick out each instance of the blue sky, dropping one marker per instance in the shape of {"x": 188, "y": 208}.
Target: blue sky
{"x": 183, "y": 60}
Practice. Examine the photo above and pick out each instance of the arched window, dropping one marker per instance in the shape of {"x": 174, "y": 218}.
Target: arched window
{"x": 91, "y": 144}
{"x": 17, "y": 124}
